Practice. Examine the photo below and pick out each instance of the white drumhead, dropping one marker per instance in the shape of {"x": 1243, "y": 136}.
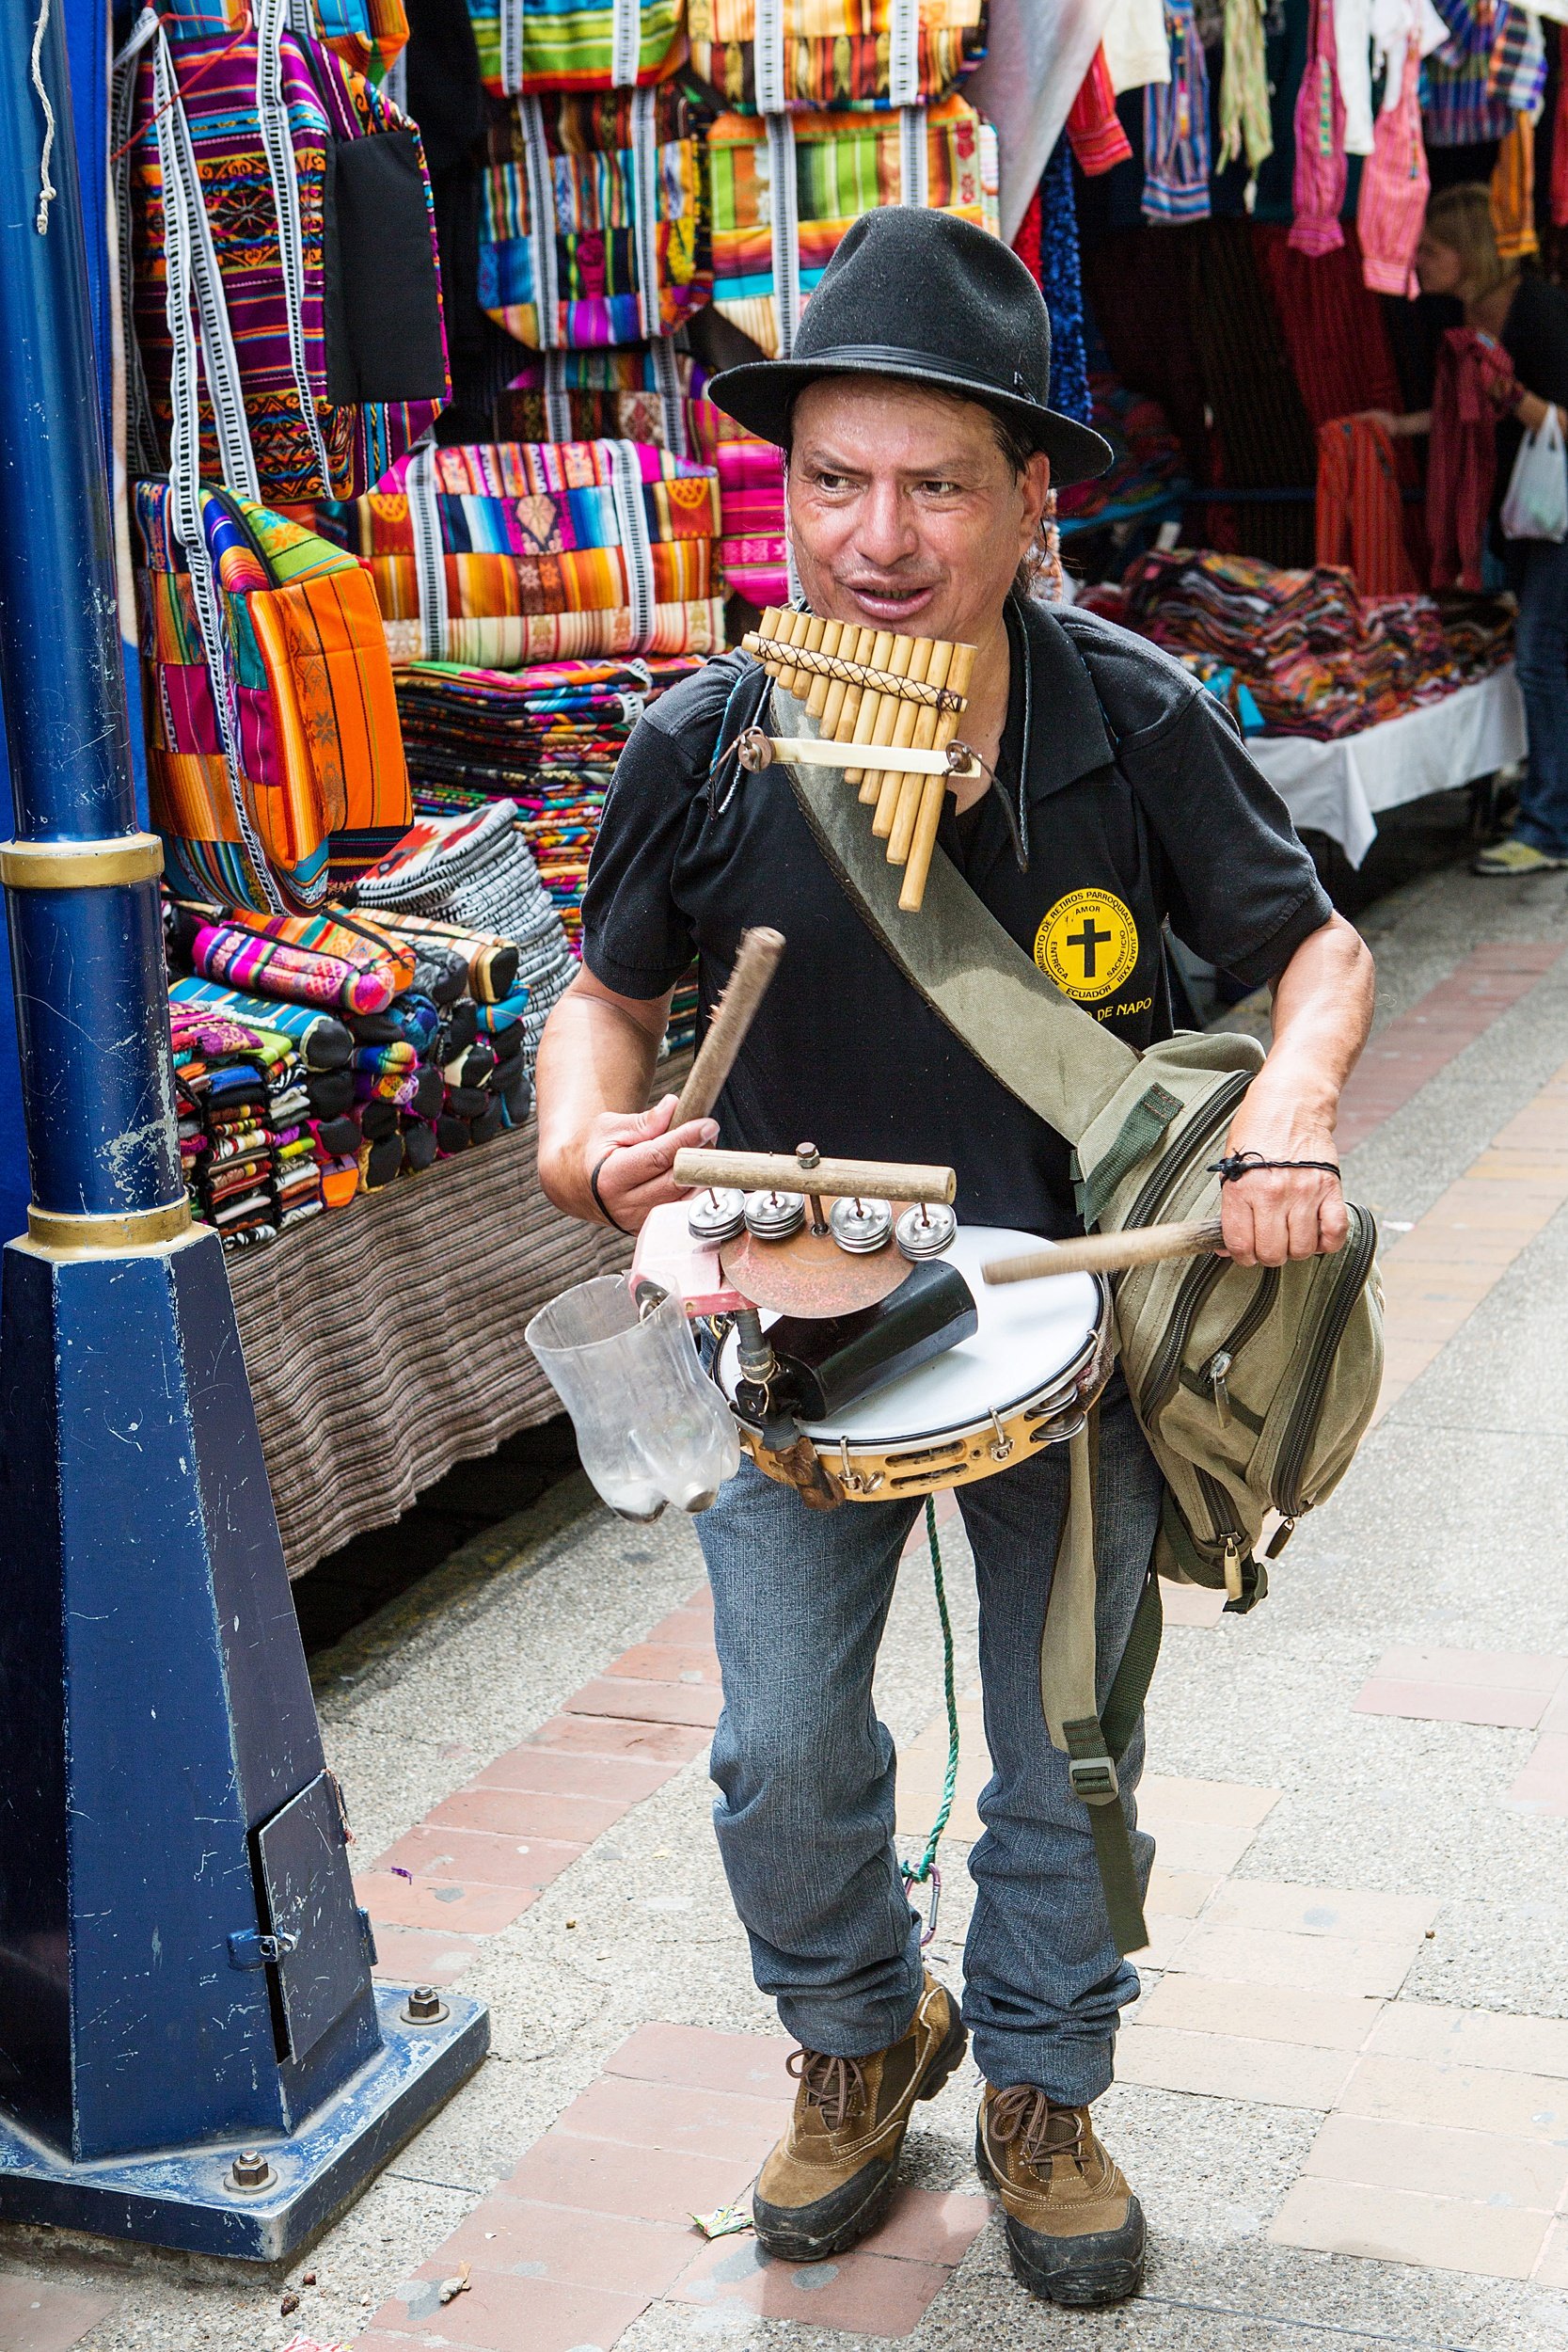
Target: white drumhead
{"x": 1029, "y": 1334}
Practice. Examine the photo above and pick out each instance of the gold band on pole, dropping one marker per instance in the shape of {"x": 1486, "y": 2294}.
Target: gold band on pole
{"x": 131, "y": 857}
{"x": 137, "y": 1229}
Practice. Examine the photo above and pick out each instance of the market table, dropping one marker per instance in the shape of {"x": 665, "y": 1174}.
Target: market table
{"x": 1339, "y": 787}
{"x": 385, "y": 1341}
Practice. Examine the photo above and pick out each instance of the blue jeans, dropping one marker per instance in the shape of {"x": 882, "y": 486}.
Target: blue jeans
{"x": 805, "y": 1771}
{"x": 1540, "y": 654}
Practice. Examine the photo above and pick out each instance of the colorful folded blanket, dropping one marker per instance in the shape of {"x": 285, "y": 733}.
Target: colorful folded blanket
{"x": 322, "y": 1043}
{"x": 573, "y": 44}
{"x": 833, "y": 52}
{"x": 546, "y": 550}
{"x": 594, "y": 218}
{"x": 840, "y": 166}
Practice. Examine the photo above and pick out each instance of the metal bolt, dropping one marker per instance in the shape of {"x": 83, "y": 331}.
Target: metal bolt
{"x": 424, "y": 2006}
{"x": 250, "y": 2170}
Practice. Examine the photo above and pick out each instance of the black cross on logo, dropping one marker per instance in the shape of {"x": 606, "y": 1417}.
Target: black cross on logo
{"x": 1090, "y": 940}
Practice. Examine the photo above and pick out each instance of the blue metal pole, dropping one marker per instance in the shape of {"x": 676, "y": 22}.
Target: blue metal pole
{"x": 191, "y": 2047}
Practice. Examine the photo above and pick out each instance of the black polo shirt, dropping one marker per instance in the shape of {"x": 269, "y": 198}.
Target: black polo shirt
{"x": 1123, "y": 800}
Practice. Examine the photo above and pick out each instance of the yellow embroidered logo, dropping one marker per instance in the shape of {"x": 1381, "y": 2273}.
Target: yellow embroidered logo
{"x": 1089, "y": 943}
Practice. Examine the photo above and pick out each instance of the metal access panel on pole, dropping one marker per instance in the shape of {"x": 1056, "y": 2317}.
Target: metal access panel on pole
{"x": 192, "y": 2050}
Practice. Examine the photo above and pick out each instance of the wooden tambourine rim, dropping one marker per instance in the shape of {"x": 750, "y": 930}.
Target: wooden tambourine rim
{"x": 892, "y": 1474}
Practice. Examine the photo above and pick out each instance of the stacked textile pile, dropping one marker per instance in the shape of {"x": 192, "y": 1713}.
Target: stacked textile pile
{"x": 546, "y": 738}
{"x": 1148, "y": 464}
{"x": 393, "y": 1060}
{"x": 475, "y": 872}
{"x": 245, "y": 1146}
{"x": 540, "y": 551}
{"x": 1319, "y": 660}
{"x": 649, "y": 393}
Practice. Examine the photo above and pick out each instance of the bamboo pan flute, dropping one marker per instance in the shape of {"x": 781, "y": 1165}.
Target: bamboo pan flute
{"x": 868, "y": 686}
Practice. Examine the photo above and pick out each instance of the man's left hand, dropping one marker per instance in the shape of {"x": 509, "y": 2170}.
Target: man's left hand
{"x": 1277, "y": 1214}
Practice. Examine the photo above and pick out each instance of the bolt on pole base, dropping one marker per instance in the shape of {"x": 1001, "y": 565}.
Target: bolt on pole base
{"x": 191, "y": 2199}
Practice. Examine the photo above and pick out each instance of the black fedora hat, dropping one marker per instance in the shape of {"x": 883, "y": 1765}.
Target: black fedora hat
{"x": 931, "y": 299}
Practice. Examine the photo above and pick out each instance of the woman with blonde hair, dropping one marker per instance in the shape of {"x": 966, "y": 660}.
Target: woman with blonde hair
{"x": 1528, "y": 316}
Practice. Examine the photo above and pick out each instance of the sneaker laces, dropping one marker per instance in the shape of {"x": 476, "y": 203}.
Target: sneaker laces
{"x": 1042, "y": 2131}
{"x": 834, "y": 2086}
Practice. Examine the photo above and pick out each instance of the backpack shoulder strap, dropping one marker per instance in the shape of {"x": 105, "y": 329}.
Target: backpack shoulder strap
{"x": 1058, "y": 1060}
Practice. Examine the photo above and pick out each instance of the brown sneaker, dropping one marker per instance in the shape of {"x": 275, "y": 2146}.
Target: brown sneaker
{"x": 1076, "y": 2231}
{"x": 832, "y": 2177}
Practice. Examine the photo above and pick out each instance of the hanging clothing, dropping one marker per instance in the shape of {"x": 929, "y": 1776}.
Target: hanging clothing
{"x": 1352, "y": 63}
{"x": 1176, "y": 127}
{"x": 1394, "y": 183}
{"x": 1361, "y": 516}
{"x": 1246, "y": 123}
{"x": 1462, "y": 465}
{"x": 1460, "y": 107}
{"x": 1062, "y": 284}
{"x": 1265, "y": 437}
{"x": 1516, "y": 66}
{"x": 1513, "y": 193}
{"x": 1093, "y": 124}
{"x": 1335, "y": 334}
{"x": 1319, "y": 188}
{"x": 1136, "y": 50}
{"x": 1559, "y": 135}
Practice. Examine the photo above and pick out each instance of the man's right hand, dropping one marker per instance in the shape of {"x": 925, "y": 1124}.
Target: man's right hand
{"x": 641, "y": 1146}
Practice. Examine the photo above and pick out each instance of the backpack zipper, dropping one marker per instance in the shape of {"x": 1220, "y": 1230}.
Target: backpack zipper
{"x": 1198, "y": 1137}
{"x": 1197, "y": 1283}
{"x": 1351, "y": 1269}
{"x": 1222, "y": 1362}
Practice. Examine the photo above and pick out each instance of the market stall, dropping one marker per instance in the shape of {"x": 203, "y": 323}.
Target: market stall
{"x": 419, "y": 538}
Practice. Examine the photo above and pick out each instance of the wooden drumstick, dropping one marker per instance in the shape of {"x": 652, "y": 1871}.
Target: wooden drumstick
{"x": 881, "y": 734}
{"x": 781, "y": 1171}
{"x": 1110, "y": 1253}
{"x": 890, "y": 783}
{"x": 910, "y": 788}
{"x": 828, "y": 643}
{"x": 933, "y": 789}
{"x": 844, "y": 700}
{"x": 756, "y": 961}
{"x": 870, "y": 701}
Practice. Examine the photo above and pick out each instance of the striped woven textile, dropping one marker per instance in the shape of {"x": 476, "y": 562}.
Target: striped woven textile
{"x": 844, "y": 165}
{"x": 307, "y": 704}
{"x": 570, "y": 44}
{"x": 366, "y": 34}
{"x": 1513, "y": 193}
{"x": 323, "y": 99}
{"x": 534, "y": 555}
{"x": 617, "y": 393}
{"x": 835, "y": 52}
{"x": 597, "y": 162}
{"x": 1459, "y": 108}
{"x": 329, "y": 960}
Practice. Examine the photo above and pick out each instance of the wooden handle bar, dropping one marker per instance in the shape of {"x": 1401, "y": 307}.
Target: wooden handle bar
{"x": 1104, "y": 1253}
{"x": 779, "y": 1172}
{"x": 756, "y": 963}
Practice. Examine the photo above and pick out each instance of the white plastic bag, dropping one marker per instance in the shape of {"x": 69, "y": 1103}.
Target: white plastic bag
{"x": 1536, "y": 506}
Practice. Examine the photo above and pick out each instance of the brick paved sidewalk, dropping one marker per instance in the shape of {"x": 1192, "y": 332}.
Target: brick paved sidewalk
{"x": 1344, "y": 2093}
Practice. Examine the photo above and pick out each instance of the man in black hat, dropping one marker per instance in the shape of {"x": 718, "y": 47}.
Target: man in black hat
{"x": 920, "y": 452}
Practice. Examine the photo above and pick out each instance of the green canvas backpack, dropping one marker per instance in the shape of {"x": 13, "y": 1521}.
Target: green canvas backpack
{"x": 1253, "y": 1385}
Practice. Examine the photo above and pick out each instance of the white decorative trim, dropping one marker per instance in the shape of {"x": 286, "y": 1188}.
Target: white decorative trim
{"x": 644, "y": 209}
{"x": 541, "y": 222}
{"x": 625, "y": 43}
{"x": 903, "y": 53}
{"x": 430, "y": 569}
{"x": 141, "y": 440}
{"x": 281, "y": 169}
{"x": 558, "y": 407}
{"x": 512, "y": 13}
{"x": 915, "y": 157}
{"x": 767, "y": 58}
{"x": 672, "y": 403}
{"x": 785, "y": 199}
{"x": 631, "y": 520}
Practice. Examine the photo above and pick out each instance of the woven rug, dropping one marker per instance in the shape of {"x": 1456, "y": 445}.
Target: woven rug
{"x": 385, "y": 1341}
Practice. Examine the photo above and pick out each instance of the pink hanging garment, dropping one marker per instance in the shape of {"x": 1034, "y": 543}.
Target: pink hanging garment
{"x": 1319, "y": 128}
{"x": 1395, "y": 184}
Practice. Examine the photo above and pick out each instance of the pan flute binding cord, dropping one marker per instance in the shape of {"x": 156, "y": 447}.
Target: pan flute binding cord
{"x": 868, "y": 687}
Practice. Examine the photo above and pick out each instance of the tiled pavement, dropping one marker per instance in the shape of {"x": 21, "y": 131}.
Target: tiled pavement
{"x": 1409, "y": 2130}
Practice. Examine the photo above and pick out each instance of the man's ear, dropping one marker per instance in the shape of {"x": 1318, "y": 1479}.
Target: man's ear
{"x": 1037, "y": 484}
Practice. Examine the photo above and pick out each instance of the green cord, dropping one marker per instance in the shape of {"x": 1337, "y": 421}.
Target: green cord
{"x": 916, "y": 1873}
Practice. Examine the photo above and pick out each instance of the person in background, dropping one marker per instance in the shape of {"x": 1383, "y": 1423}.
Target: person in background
{"x": 1529, "y": 316}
